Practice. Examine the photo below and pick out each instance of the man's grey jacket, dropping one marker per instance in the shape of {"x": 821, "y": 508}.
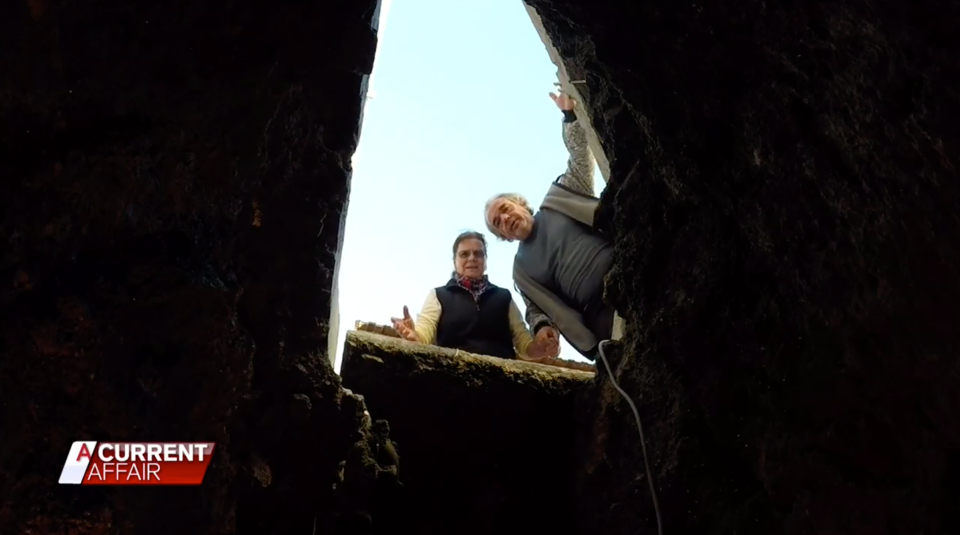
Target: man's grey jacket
{"x": 569, "y": 322}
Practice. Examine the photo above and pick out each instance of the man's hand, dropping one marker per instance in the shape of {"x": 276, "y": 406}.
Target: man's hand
{"x": 546, "y": 345}
{"x": 405, "y": 327}
{"x": 564, "y": 102}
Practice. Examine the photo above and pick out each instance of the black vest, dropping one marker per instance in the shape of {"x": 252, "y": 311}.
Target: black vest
{"x": 477, "y": 327}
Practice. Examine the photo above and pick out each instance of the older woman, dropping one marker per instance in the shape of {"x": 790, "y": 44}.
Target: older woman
{"x": 471, "y": 314}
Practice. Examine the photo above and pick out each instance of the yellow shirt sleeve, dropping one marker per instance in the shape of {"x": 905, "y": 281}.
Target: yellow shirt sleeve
{"x": 427, "y": 319}
{"x": 521, "y": 336}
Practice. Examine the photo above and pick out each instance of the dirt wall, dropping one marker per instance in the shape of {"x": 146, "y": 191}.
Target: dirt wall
{"x": 174, "y": 180}
{"x": 783, "y": 198}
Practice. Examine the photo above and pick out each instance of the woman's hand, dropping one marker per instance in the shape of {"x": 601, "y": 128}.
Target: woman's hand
{"x": 405, "y": 327}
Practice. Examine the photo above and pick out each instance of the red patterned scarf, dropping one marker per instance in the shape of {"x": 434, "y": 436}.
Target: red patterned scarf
{"x": 475, "y": 287}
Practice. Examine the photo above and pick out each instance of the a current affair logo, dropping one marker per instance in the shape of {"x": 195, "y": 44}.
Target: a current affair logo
{"x": 136, "y": 463}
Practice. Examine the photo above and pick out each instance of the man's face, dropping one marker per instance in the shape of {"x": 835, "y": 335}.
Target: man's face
{"x": 512, "y": 220}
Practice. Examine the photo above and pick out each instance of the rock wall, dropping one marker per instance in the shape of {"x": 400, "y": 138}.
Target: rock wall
{"x": 174, "y": 180}
{"x": 783, "y": 198}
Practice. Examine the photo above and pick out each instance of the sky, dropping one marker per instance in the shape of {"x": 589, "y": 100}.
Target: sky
{"x": 458, "y": 110}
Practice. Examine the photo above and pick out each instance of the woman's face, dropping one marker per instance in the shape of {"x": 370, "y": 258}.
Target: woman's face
{"x": 471, "y": 259}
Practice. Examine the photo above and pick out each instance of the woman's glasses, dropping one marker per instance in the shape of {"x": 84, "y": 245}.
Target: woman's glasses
{"x": 478, "y": 253}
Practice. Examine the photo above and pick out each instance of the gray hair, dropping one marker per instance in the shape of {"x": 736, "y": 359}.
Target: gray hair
{"x": 515, "y": 197}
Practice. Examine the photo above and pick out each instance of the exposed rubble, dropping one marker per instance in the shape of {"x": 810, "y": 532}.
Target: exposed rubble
{"x": 485, "y": 444}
